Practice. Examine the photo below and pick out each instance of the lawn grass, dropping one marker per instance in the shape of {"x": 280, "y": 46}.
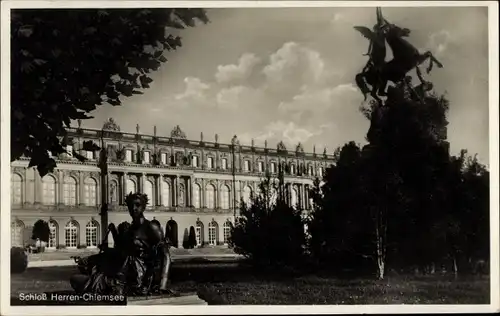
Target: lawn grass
{"x": 65, "y": 254}
{"x": 234, "y": 284}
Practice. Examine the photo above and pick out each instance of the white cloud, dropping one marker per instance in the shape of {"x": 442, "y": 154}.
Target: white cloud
{"x": 242, "y": 70}
{"x": 439, "y": 42}
{"x": 195, "y": 90}
{"x": 320, "y": 99}
{"x": 237, "y": 97}
{"x": 295, "y": 62}
{"x": 288, "y": 132}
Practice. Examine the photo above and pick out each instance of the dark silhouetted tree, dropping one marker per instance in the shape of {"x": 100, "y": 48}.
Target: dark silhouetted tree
{"x": 65, "y": 63}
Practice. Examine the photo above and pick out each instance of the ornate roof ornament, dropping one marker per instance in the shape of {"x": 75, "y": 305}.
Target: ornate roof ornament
{"x": 235, "y": 141}
{"x": 177, "y": 133}
{"x": 216, "y": 138}
{"x": 110, "y": 125}
{"x": 324, "y": 152}
{"x": 265, "y": 143}
{"x": 299, "y": 148}
{"x": 281, "y": 146}
{"x": 79, "y": 121}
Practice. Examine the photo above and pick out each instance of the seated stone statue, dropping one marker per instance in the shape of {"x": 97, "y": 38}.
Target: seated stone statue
{"x": 138, "y": 264}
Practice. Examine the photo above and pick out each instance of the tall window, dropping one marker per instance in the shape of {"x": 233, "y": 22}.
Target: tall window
{"x": 196, "y": 195}
{"x": 90, "y": 155}
{"x": 292, "y": 169}
{"x": 227, "y": 231}
{"x": 128, "y": 155}
{"x": 49, "y": 190}
{"x": 320, "y": 172}
{"x": 224, "y": 163}
{"x": 147, "y": 157}
{"x": 246, "y": 166}
{"x": 69, "y": 191}
{"x": 52, "y": 244}
{"x": 148, "y": 190}
{"x": 210, "y": 162}
{"x": 260, "y": 166}
{"x": 295, "y": 195}
{"x": 92, "y": 234}
{"x": 210, "y": 196}
{"x": 212, "y": 233}
{"x": 273, "y": 167}
{"x": 224, "y": 197}
{"x": 199, "y": 234}
{"x": 71, "y": 234}
{"x": 163, "y": 158}
{"x": 165, "y": 193}
{"x": 247, "y": 193}
{"x": 16, "y": 189}
{"x": 90, "y": 192}
{"x": 310, "y": 170}
{"x": 131, "y": 187}
{"x": 17, "y": 233}
{"x": 195, "y": 161}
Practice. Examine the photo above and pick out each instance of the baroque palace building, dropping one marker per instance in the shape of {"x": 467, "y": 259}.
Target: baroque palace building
{"x": 189, "y": 184}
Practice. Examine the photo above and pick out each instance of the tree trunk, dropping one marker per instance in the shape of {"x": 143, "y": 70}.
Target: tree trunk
{"x": 433, "y": 268}
{"x": 455, "y": 266}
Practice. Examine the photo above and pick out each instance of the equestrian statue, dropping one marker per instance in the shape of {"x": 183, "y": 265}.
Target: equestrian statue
{"x": 378, "y": 72}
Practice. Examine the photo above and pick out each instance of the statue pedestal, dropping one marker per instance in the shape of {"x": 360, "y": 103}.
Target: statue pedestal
{"x": 182, "y": 299}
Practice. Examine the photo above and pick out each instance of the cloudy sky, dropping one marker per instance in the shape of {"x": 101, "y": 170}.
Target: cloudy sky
{"x": 287, "y": 74}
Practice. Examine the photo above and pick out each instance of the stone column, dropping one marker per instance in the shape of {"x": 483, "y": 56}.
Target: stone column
{"x": 306, "y": 194}
{"x": 203, "y": 191}
{"x": 123, "y": 188}
{"x": 175, "y": 190}
{"x": 81, "y": 191}
{"x": 60, "y": 187}
{"x": 189, "y": 192}
{"x": 142, "y": 181}
{"x": 159, "y": 189}
{"x": 217, "y": 194}
{"x": 38, "y": 198}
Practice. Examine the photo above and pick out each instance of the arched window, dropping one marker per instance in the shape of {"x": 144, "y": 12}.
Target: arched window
{"x": 246, "y": 165}
{"x": 165, "y": 193}
{"x": 273, "y": 167}
{"x": 212, "y": 233}
{"x": 113, "y": 192}
{"x": 16, "y": 189}
{"x": 69, "y": 191}
{"x": 52, "y": 244}
{"x": 320, "y": 172}
{"x": 199, "y": 233}
{"x": 224, "y": 197}
{"x": 295, "y": 195}
{"x": 223, "y": 163}
{"x": 148, "y": 190}
{"x": 90, "y": 192}
{"x": 196, "y": 195}
{"x": 92, "y": 234}
{"x": 227, "y": 231}
{"x": 71, "y": 234}
{"x": 210, "y": 196}
{"x": 310, "y": 170}
{"x": 131, "y": 187}
{"x": 247, "y": 193}
{"x": 210, "y": 162}
{"x": 260, "y": 166}
{"x": 49, "y": 190}
{"x": 195, "y": 161}
{"x": 17, "y": 233}
{"x": 293, "y": 169}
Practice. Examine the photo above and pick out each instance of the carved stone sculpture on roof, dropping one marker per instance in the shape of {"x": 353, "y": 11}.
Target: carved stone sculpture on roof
{"x": 299, "y": 149}
{"x": 177, "y": 133}
{"x": 235, "y": 141}
{"x": 110, "y": 125}
{"x": 281, "y": 146}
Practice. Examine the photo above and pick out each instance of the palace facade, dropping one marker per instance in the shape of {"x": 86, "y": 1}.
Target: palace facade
{"x": 189, "y": 184}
